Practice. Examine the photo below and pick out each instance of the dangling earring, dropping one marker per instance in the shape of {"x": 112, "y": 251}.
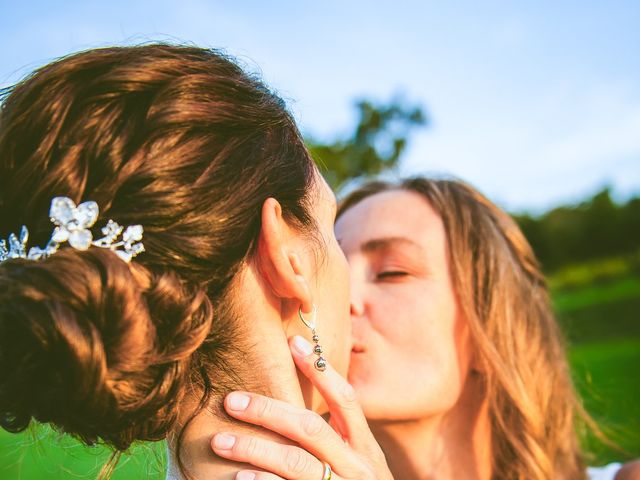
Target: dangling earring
{"x": 321, "y": 362}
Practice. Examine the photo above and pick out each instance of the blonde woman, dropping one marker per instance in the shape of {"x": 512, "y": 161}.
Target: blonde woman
{"x": 457, "y": 358}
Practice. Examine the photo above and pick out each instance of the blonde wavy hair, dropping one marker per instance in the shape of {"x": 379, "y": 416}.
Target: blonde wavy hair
{"x": 533, "y": 407}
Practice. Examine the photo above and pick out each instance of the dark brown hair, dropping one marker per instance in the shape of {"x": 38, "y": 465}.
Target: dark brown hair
{"x": 502, "y": 292}
{"x": 182, "y": 141}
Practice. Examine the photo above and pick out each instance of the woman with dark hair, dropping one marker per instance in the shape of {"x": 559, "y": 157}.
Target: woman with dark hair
{"x": 457, "y": 359}
{"x": 134, "y": 334}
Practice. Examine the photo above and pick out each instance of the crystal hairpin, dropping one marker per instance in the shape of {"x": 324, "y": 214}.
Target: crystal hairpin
{"x": 73, "y": 226}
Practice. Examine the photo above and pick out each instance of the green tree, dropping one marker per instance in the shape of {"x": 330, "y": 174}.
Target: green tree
{"x": 597, "y": 228}
{"x": 375, "y": 145}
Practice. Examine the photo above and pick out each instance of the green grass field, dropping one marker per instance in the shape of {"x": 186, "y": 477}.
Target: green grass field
{"x": 602, "y": 324}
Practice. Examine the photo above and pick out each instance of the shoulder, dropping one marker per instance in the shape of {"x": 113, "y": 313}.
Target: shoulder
{"x": 629, "y": 471}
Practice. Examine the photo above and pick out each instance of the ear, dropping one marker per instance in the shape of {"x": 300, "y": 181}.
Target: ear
{"x": 278, "y": 259}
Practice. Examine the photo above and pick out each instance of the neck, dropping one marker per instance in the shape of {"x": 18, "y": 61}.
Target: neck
{"x": 453, "y": 445}
{"x": 277, "y": 377}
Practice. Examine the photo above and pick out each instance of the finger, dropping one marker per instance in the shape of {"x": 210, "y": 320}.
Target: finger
{"x": 340, "y": 396}
{"x": 287, "y": 461}
{"x": 306, "y": 428}
{"x": 255, "y": 475}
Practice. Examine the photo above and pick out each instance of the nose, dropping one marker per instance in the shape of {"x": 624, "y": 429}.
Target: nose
{"x": 356, "y": 300}
{"x": 356, "y": 309}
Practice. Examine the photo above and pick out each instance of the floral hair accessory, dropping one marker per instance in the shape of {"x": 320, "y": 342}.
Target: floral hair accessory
{"x": 73, "y": 225}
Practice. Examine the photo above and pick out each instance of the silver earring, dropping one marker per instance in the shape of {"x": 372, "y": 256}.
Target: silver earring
{"x": 321, "y": 362}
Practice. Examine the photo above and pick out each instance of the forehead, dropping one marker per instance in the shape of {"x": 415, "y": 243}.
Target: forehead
{"x": 396, "y": 213}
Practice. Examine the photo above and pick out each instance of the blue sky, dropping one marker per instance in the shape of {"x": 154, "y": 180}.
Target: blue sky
{"x": 536, "y": 103}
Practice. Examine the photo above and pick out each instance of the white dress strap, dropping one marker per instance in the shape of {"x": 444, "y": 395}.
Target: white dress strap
{"x": 173, "y": 473}
{"x": 608, "y": 472}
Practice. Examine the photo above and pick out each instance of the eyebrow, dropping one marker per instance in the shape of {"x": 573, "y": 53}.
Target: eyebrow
{"x": 385, "y": 243}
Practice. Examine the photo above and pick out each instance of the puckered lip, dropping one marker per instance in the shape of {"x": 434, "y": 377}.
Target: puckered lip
{"x": 358, "y": 348}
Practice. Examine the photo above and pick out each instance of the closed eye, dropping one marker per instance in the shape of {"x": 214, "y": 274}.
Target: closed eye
{"x": 391, "y": 274}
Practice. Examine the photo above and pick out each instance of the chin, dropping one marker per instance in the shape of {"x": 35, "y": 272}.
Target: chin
{"x": 374, "y": 401}
{"x": 382, "y": 413}
{"x": 381, "y": 404}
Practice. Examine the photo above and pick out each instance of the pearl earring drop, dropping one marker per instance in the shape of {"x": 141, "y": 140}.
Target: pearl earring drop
{"x": 321, "y": 362}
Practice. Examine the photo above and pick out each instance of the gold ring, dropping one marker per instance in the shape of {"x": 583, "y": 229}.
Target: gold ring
{"x": 327, "y": 471}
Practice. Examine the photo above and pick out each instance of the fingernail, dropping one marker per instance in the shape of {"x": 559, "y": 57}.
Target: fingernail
{"x": 302, "y": 346}
{"x": 224, "y": 441}
{"x": 238, "y": 401}
{"x": 245, "y": 476}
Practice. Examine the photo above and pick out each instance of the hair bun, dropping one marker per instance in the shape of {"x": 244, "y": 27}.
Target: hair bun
{"x": 96, "y": 347}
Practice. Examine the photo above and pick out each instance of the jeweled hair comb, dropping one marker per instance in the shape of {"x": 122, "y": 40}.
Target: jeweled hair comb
{"x": 73, "y": 225}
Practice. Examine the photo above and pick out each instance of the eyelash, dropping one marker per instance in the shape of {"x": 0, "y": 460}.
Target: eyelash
{"x": 391, "y": 274}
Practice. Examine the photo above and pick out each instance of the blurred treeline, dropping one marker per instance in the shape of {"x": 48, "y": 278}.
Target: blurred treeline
{"x": 597, "y": 228}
